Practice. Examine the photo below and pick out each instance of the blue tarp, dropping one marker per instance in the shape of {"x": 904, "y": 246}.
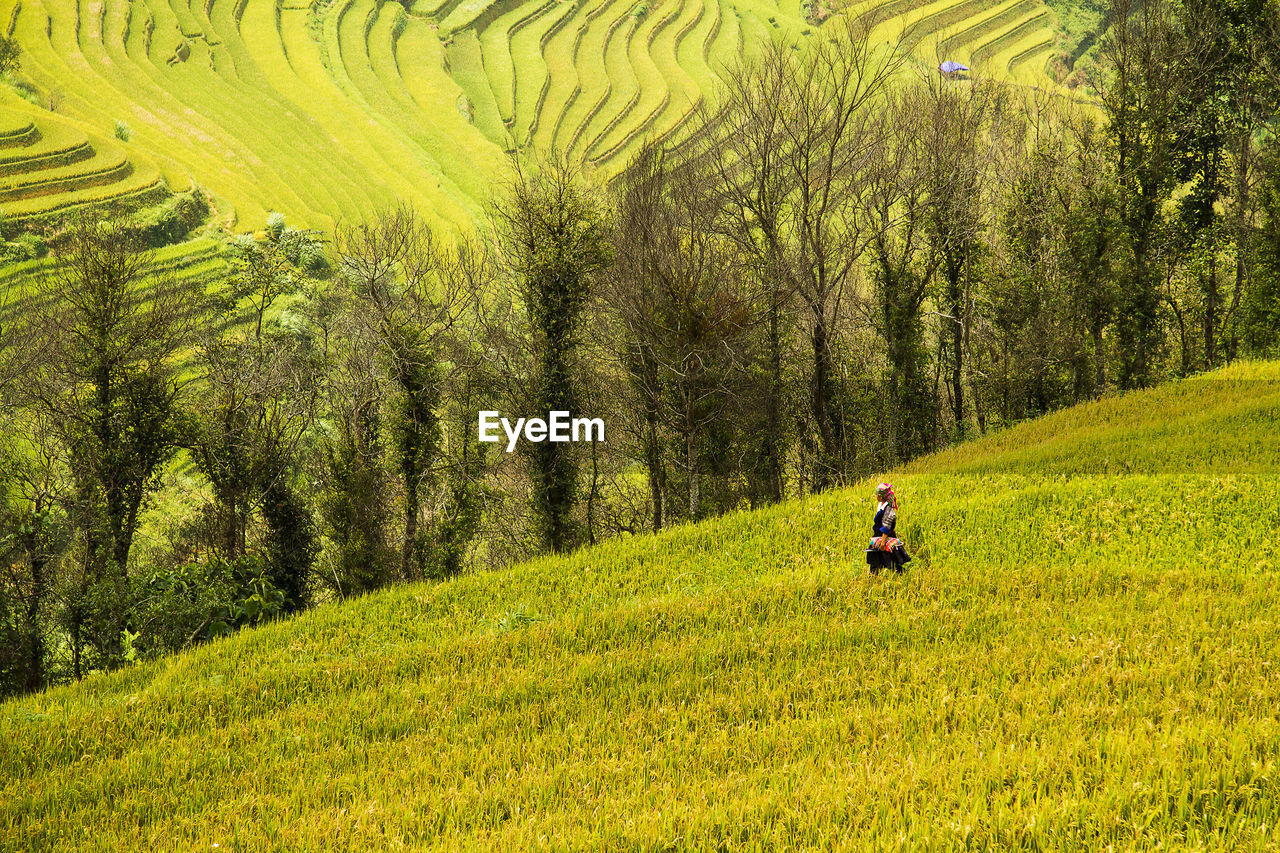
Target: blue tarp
{"x": 950, "y": 67}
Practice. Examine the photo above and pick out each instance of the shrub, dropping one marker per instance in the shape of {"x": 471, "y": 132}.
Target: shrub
{"x": 10, "y": 55}
{"x": 122, "y": 130}
{"x": 275, "y": 225}
{"x": 27, "y": 92}
{"x": 312, "y": 259}
{"x": 172, "y": 221}
{"x": 177, "y": 606}
{"x": 24, "y": 247}
{"x": 355, "y": 514}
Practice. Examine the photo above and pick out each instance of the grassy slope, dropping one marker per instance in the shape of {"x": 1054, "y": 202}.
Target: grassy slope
{"x": 1082, "y": 655}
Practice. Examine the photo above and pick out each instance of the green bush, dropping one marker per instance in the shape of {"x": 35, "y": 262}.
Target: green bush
{"x": 312, "y": 259}
{"x": 26, "y": 91}
{"x": 172, "y": 221}
{"x": 24, "y": 247}
{"x": 178, "y": 606}
{"x": 10, "y": 55}
{"x": 301, "y": 248}
{"x": 122, "y": 130}
{"x": 275, "y": 225}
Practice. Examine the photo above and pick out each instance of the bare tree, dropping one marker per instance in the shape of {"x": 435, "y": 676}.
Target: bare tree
{"x": 553, "y": 233}
{"x": 630, "y": 297}
{"x": 349, "y": 458}
{"x": 411, "y": 299}
{"x": 902, "y": 262}
{"x": 794, "y": 144}
{"x": 680, "y": 296}
{"x": 966, "y": 146}
{"x": 33, "y": 544}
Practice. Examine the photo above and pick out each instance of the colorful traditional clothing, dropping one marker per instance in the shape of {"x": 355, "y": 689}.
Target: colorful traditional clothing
{"x": 886, "y": 549}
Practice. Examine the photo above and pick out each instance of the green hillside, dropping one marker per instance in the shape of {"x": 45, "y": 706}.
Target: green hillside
{"x": 1082, "y": 655}
{"x": 330, "y": 109}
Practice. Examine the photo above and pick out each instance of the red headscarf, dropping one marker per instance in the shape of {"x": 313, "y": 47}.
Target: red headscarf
{"x": 887, "y": 491}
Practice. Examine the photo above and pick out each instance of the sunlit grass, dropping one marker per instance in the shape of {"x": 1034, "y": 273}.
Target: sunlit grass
{"x": 1081, "y": 656}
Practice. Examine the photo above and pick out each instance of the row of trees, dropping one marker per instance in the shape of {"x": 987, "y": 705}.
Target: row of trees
{"x": 841, "y": 267}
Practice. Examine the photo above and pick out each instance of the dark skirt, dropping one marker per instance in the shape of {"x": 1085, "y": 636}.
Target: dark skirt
{"x": 893, "y": 559}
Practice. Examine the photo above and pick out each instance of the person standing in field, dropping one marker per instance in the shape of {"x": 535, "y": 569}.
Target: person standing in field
{"x": 886, "y": 549}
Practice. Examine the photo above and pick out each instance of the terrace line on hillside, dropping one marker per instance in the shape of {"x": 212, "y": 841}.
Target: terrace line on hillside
{"x": 421, "y": 102}
{"x": 557, "y": 427}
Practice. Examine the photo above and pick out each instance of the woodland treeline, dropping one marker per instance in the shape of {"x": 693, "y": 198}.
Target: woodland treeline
{"x": 847, "y": 264}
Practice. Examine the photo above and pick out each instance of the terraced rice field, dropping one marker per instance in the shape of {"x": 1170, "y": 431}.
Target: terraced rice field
{"x": 327, "y": 110}
{"x": 199, "y": 260}
{"x": 51, "y": 166}
{"x": 1009, "y": 39}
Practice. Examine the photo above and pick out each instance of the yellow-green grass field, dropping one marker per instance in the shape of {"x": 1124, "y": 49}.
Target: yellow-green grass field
{"x": 50, "y": 165}
{"x": 1083, "y": 656}
{"x": 329, "y": 111}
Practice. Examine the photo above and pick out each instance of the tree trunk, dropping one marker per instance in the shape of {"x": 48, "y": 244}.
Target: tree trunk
{"x": 33, "y": 544}
{"x": 1100, "y": 362}
{"x": 957, "y": 354}
{"x": 891, "y": 422}
{"x": 691, "y": 461}
{"x": 1241, "y": 205}
{"x": 1182, "y": 338}
{"x": 820, "y": 403}
{"x": 1209, "y": 284}
{"x": 773, "y": 437}
{"x": 76, "y": 645}
{"x": 412, "y": 507}
{"x": 653, "y": 461}
{"x": 593, "y": 495}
